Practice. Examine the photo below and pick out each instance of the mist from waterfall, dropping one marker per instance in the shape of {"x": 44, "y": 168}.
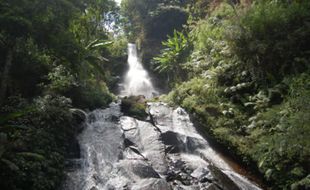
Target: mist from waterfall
{"x": 137, "y": 80}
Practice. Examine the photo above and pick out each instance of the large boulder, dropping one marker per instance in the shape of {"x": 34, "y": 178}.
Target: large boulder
{"x": 134, "y": 106}
{"x": 222, "y": 180}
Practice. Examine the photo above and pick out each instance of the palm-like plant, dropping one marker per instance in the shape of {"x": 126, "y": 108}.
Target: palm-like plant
{"x": 92, "y": 60}
{"x": 171, "y": 56}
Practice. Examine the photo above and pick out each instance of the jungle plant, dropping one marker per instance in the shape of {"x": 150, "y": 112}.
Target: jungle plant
{"x": 172, "y": 56}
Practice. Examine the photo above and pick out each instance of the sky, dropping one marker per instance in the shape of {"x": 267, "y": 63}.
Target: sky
{"x": 118, "y": 1}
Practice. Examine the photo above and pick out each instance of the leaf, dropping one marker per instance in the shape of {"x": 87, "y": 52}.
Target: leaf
{"x": 102, "y": 44}
{"x": 97, "y": 44}
{"x": 249, "y": 104}
{"x": 31, "y": 155}
{"x": 93, "y": 61}
{"x": 261, "y": 163}
{"x": 268, "y": 173}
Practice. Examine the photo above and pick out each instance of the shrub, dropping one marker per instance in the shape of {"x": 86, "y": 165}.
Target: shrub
{"x": 273, "y": 39}
{"x": 36, "y": 137}
{"x": 172, "y": 56}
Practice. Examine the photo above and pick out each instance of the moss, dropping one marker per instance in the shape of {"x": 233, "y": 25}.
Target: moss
{"x": 134, "y": 106}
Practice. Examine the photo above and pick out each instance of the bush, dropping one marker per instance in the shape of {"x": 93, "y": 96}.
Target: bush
{"x": 90, "y": 95}
{"x": 273, "y": 39}
{"x": 283, "y": 152}
{"x": 170, "y": 60}
{"x": 37, "y": 138}
{"x": 248, "y": 86}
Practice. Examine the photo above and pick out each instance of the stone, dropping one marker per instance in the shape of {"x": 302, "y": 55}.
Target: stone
{"x": 152, "y": 184}
{"x": 222, "y": 180}
{"x": 134, "y": 106}
{"x": 200, "y": 172}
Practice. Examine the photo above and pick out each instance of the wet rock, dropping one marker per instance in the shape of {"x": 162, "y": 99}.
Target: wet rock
{"x": 147, "y": 139}
{"x": 170, "y": 138}
{"x": 161, "y": 154}
{"x": 180, "y": 143}
{"x": 222, "y": 180}
{"x": 128, "y": 143}
{"x": 212, "y": 187}
{"x": 134, "y": 106}
{"x": 161, "y": 113}
{"x": 199, "y": 173}
{"x": 114, "y": 118}
{"x": 185, "y": 179}
{"x": 144, "y": 171}
{"x": 171, "y": 175}
{"x": 93, "y": 188}
{"x": 152, "y": 184}
{"x": 187, "y": 170}
{"x": 206, "y": 179}
{"x": 137, "y": 169}
{"x": 91, "y": 117}
{"x": 132, "y": 153}
{"x": 73, "y": 164}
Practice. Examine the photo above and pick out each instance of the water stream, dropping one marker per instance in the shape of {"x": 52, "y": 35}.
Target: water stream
{"x": 161, "y": 153}
{"x": 137, "y": 80}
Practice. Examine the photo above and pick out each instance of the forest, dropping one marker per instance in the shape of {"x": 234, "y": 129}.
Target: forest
{"x": 240, "y": 68}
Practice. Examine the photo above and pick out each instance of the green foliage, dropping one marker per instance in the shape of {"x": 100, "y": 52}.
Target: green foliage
{"x": 119, "y": 46}
{"x": 32, "y": 157}
{"x": 71, "y": 51}
{"x": 90, "y": 95}
{"x": 60, "y": 79}
{"x": 273, "y": 39}
{"x": 248, "y": 85}
{"x": 171, "y": 57}
{"x": 283, "y": 153}
{"x": 54, "y": 54}
{"x": 149, "y": 22}
{"x": 134, "y": 106}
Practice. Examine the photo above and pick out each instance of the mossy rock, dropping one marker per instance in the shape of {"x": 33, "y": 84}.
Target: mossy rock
{"x": 134, "y": 106}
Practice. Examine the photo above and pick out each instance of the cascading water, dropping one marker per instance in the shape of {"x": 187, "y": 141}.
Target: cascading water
{"x": 137, "y": 80}
{"x": 162, "y": 153}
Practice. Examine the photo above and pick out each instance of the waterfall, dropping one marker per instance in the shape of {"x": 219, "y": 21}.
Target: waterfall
{"x": 164, "y": 152}
{"x": 137, "y": 80}
{"x": 122, "y": 153}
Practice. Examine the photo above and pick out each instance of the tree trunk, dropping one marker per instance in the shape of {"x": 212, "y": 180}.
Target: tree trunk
{"x": 5, "y": 74}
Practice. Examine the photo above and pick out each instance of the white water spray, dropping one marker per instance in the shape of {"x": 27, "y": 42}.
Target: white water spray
{"x": 137, "y": 80}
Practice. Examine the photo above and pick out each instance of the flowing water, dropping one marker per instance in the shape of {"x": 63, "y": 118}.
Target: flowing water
{"x": 137, "y": 80}
{"x": 161, "y": 153}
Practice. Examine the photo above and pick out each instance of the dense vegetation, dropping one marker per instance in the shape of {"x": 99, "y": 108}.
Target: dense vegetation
{"x": 241, "y": 67}
{"x": 147, "y": 23}
{"x": 243, "y": 71}
{"x": 54, "y": 55}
